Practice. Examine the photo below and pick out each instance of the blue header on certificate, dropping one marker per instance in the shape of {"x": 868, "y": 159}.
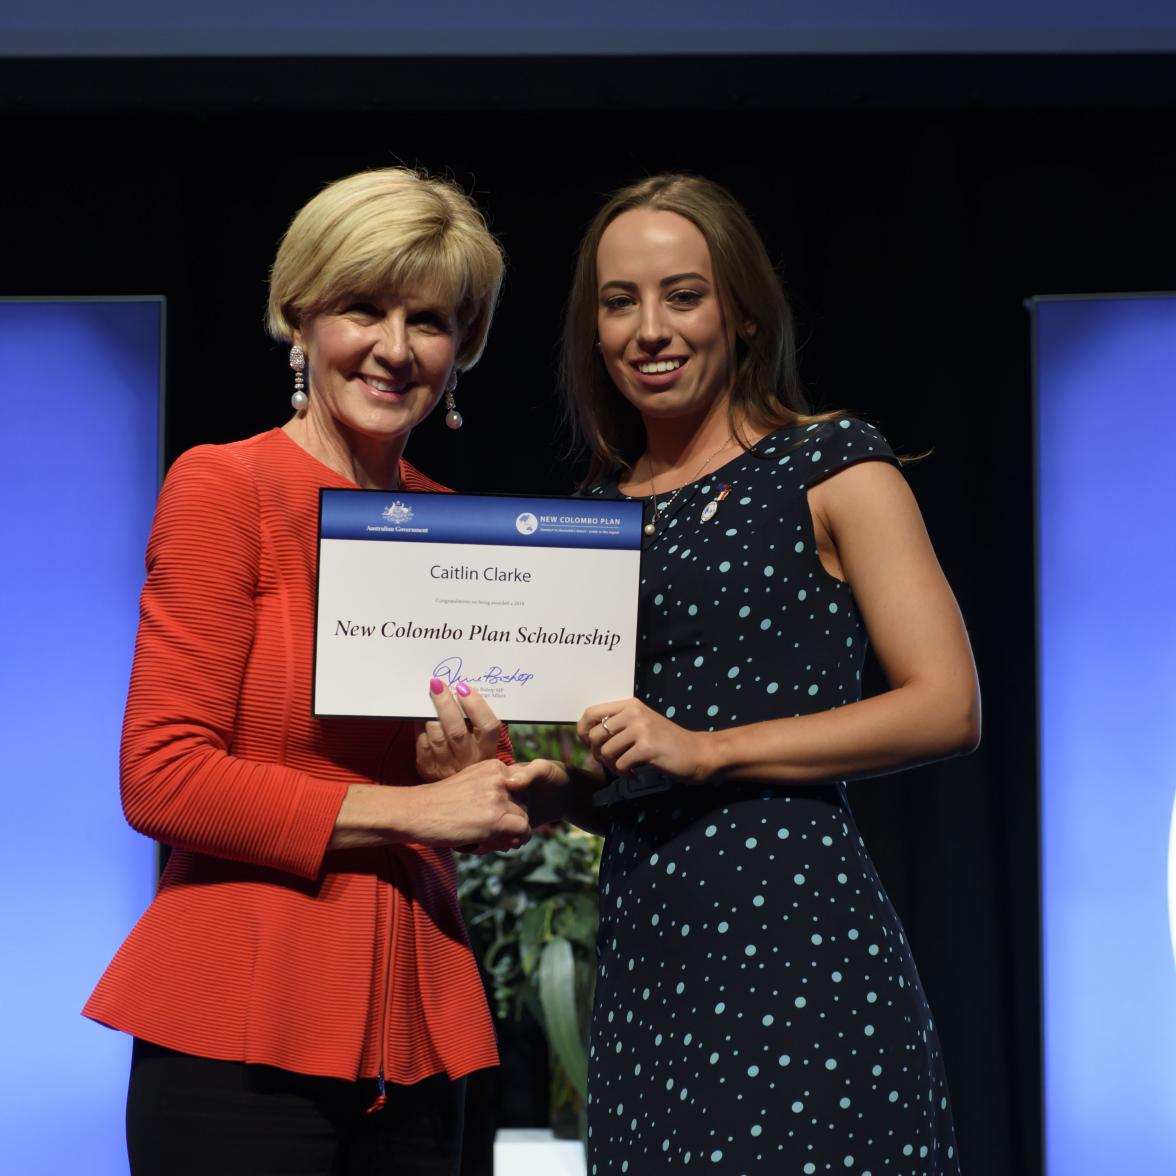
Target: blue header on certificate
{"x": 476, "y": 518}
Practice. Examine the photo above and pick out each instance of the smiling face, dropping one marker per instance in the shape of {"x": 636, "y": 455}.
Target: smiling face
{"x": 378, "y": 365}
{"x": 664, "y": 337}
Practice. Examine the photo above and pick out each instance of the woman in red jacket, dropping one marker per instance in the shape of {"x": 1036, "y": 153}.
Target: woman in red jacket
{"x": 304, "y": 961}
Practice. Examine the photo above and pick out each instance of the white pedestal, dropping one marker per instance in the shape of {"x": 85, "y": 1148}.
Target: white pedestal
{"x": 534, "y": 1151}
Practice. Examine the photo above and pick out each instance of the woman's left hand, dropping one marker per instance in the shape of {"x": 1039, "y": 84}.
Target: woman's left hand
{"x": 461, "y": 734}
{"x": 627, "y": 734}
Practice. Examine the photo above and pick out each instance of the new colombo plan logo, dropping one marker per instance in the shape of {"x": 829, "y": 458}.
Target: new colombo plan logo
{"x": 397, "y": 512}
{"x": 526, "y": 524}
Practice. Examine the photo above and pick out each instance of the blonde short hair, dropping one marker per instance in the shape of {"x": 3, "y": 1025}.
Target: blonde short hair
{"x": 385, "y": 230}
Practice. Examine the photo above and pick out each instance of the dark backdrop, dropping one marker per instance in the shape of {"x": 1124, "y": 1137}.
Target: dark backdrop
{"x": 912, "y": 204}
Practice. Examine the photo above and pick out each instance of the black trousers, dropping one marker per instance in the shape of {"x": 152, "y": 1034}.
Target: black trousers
{"x": 189, "y": 1116}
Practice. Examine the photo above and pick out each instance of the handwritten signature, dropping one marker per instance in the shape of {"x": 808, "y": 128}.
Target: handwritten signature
{"x": 449, "y": 670}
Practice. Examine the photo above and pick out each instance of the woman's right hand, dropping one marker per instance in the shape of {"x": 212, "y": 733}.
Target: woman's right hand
{"x": 481, "y": 805}
{"x": 478, "y": 805}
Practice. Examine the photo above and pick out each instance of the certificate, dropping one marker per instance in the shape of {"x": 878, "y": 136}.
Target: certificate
{"x": 531, "y": 600}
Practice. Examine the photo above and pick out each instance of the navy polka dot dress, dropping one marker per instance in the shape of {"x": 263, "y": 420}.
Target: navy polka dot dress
{"x": 757, "y": 1007}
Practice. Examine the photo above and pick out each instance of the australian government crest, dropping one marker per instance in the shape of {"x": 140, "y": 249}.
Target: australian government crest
{"x": 397, "y": 512}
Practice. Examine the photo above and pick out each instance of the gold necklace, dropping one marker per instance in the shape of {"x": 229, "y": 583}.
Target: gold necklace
{"x": 650, "y": 528}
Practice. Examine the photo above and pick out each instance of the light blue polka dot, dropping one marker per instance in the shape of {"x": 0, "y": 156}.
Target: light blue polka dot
{"x": 693, "y": 610}
{"x": 752, "y": 1071}
{"x": 830, "y": 1063}
{"x": 685, "y": 929}
{"x": 781, "y": 833}
{"x": 797, "y": 1107}
{"x": 733, "y": 672}
{"x": 745, "y": 611}
{"x": 725, "y": 566}
{"x": 832, "y": 606}
{"x": 699, "y": 660}
{"x": 723, "y": 927}
{"x": 712, "y": 710}
{"x": 758, "y": 900}
{"x": 772, "y": 687}
{"x": 751, "y": 843}
{"x": 756, "y": 1130}
{"x": 798, "y": 879}
{"x": 800, "y": 1002}
{"x": 816, "y": 455}
{"x": 768, "y": 1020}
{"x": 749, "y": 950}
{"x": 843, "y": 424}
{"x": 784, "y": 1059}
{"x": 802, "y": 595}
{"x": 711, "y": 830}
{"x": 769, "y": 570}
{"x": 799, "y": 546}
{"x": 657, "y": 667}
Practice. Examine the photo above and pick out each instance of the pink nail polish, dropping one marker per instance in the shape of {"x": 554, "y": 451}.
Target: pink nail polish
{"x": 463, "y": 689}
{"x": 436, "y": 685}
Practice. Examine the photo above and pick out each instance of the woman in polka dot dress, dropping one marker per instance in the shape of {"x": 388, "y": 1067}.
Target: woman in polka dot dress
{"x": 757, "y": 1006}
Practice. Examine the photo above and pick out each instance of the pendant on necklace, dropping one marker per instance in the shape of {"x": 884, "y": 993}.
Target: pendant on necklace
{"x": 712, "y": 508}
{"x": 649, "y": 528}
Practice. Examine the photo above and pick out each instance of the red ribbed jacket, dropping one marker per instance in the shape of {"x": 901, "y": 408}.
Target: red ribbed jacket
{"x": 261, "y": 946}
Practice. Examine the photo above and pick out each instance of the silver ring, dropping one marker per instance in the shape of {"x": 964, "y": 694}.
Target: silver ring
{"x": 604, "y": 724}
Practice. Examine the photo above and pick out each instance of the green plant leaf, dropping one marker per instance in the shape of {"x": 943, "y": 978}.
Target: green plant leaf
{"x": 532, "y": 931}
{"x": 578, "y": 920}
{"x": 544, "y": 873}
{"x": 557, "y": 998}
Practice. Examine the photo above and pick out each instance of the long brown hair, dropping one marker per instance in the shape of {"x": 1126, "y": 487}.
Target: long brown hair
{"x": 766, "y": 391}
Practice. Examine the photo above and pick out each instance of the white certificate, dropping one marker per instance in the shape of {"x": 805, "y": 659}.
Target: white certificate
{"x": 531, "y": 600}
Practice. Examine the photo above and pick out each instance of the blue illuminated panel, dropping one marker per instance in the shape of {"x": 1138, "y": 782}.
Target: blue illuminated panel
{"x": 77, "y": 489}
{"x": 1106, "y": 454}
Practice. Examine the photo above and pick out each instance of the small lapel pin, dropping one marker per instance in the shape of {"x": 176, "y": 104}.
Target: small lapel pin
{"x": 712, "y": 508}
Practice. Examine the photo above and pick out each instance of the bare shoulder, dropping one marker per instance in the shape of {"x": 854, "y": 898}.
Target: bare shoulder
{"x": 866, "y": 508}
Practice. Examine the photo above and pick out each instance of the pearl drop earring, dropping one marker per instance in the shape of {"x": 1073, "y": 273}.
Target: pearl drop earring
{"x": 298, "y": 400}
{"x": 452, "y": 416}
